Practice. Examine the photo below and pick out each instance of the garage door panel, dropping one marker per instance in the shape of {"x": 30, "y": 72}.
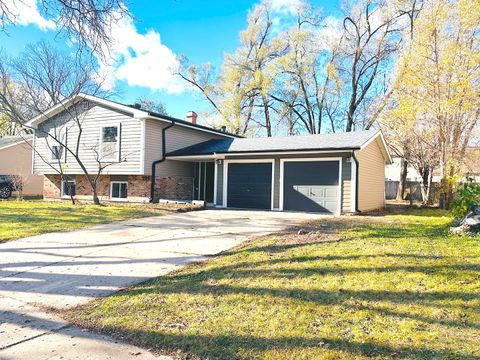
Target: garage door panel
{"x": 311, "y": 186}
{"x": 249, "y": 185}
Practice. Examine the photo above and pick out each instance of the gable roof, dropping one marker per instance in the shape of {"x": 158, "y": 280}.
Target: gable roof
{"x": 135, "y": 112}
{"x": 321, "y": 142}
{"x": 8, "y": 141}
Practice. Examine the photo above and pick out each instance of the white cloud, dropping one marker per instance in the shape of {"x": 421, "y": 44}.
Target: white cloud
{"x": 25, "y": 12}
{"x": 140, "y": 60}
{"x": 287, "y": 7}
{"x": 330, "y": 34}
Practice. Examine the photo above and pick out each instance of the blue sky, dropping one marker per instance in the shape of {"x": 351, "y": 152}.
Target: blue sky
{"x": 203, "y": 31}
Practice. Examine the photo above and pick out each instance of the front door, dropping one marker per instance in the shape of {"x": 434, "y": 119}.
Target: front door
{"x": 204, "y": 180}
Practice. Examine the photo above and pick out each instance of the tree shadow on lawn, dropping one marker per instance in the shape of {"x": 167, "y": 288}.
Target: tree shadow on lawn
{"x": 341, "y": 230}
{"x": 231, "y": 346}
{"x": 231, "y": 278}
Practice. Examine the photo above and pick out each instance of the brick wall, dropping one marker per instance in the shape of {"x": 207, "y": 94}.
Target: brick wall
{"x": 172, "y": 188}
{"x": 51, "y": 186}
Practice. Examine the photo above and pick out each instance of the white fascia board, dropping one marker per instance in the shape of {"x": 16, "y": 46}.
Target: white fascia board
{"x": 385, "y": 147}
{"x": 136, "y": 113}
{"x": 23, "y": 141}
{"x": 300, "y": 152}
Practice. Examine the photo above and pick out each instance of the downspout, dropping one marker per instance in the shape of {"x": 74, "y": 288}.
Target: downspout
{"x": 356, "y": 181}
{"x": 156, "y": 162}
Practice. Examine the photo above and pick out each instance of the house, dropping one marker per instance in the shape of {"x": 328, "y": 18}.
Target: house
{"x": 469, "y": 168}
{"x": 16, "y": 159}
{"x": 151, "y": 156}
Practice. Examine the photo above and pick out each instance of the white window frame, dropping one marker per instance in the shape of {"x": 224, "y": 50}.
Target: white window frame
{"x": 340, "y": 184}
{"x": 53, "y": 132}
{"x": 261, "y": 161}
{"x": 63, "y": 188}
{"x": 62, "y": 154}
{"x": 111, "y": 190}
{"x": 119, "y": 129}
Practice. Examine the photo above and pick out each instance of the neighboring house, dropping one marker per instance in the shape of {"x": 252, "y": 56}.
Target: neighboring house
{"x": 470, "y": 168}
{"x": 156, "y": 156}
{"x": 16, "y": 159}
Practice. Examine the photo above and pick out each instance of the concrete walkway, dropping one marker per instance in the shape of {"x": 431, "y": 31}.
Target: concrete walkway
{"x": 60, "y": 270}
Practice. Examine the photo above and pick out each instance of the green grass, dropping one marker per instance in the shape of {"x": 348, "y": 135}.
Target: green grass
{"x": 390, "y": 287}
{"x": 25, "y": 218}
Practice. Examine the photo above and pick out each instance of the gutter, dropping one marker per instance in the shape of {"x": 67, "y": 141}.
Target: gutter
{"x": 356, "y": 180}
{"x": 156, "y": 162}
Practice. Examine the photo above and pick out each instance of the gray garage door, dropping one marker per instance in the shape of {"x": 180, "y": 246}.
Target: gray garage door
{"x": 249, "y": 185}
{"x": 311, "y": 186}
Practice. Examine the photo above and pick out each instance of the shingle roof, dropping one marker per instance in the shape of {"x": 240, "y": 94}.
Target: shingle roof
{"x": 337, "y": 141}
{"x": 10, "y": 140}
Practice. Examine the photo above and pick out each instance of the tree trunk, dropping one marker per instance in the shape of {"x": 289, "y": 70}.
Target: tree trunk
{"x": 268, "y": 124}
{"x": 425, "y": 186}
{"x": 403, "y": 179}
{"x": 96, "y": 200}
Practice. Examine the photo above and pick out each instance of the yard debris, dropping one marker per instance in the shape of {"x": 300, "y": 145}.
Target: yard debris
{"x": 175, "y": 325}
{"x": 302, "y": 232}
{"x": 470, "y": 223}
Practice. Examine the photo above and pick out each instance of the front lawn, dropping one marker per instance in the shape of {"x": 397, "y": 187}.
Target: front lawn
{"x": 26, "y": 218}
{"x": 397, "y": 286}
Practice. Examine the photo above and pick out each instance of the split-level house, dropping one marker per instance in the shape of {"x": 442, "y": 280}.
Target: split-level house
{"x": 147, "y": 156}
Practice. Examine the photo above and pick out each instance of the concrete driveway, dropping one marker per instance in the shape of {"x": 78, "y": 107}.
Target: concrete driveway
{"x": 59, "y": 270}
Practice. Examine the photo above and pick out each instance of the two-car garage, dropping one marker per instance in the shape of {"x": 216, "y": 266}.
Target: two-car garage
{"x": 303, "y": 184}
{"x": 324, "y": 173}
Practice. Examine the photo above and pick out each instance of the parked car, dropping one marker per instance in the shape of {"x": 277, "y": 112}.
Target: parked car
{"x": 6, "y": 186}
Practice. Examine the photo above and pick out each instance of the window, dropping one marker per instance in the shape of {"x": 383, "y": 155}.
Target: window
{"x": 118, "y": 190}
{"x": 58, "y": 136}
{"x": 68, "y": 188}
{"x": 109, "y": 144}
{"x": 57, "y": 152}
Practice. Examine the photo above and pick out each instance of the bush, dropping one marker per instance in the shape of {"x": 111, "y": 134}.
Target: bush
{"x": 468, "y": 195}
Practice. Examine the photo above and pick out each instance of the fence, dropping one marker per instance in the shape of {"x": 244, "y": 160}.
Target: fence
{"x": 391, "y": 188}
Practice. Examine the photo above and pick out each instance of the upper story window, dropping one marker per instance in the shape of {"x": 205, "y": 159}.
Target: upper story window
{"x": 57, "y": 136}
{"x": 110, "y": 143}
{"x": 57, "y": 152}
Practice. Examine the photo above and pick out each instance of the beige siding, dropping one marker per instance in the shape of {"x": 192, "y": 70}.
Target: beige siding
{"x": 371, "y": 182}
{"x": 153, "y": 143}
{"x": 91, "y": 119}
{"x": 177, "y": 137}
{"x": 17, "y": 160}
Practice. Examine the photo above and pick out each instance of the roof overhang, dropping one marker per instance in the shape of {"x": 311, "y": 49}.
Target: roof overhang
{"x": 136, "y": 113}
{"x": 19, "y": 142}
{"x": 384, "y": 148}
{"x": 256, "y": 153}
{"x": 67, "y": 103}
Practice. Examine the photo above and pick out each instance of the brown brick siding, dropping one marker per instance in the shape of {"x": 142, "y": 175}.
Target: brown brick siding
{"x": 172, "y": 188}
{"x": 51, "y": 186}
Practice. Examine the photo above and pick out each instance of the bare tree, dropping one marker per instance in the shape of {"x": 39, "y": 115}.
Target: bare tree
{"x": 49, "y": 78}
{"x": 84, "y": 22}
{"x": 240, "y": 93}
{"x": 372, "y": 34}
{"x": 153, "y": 105}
